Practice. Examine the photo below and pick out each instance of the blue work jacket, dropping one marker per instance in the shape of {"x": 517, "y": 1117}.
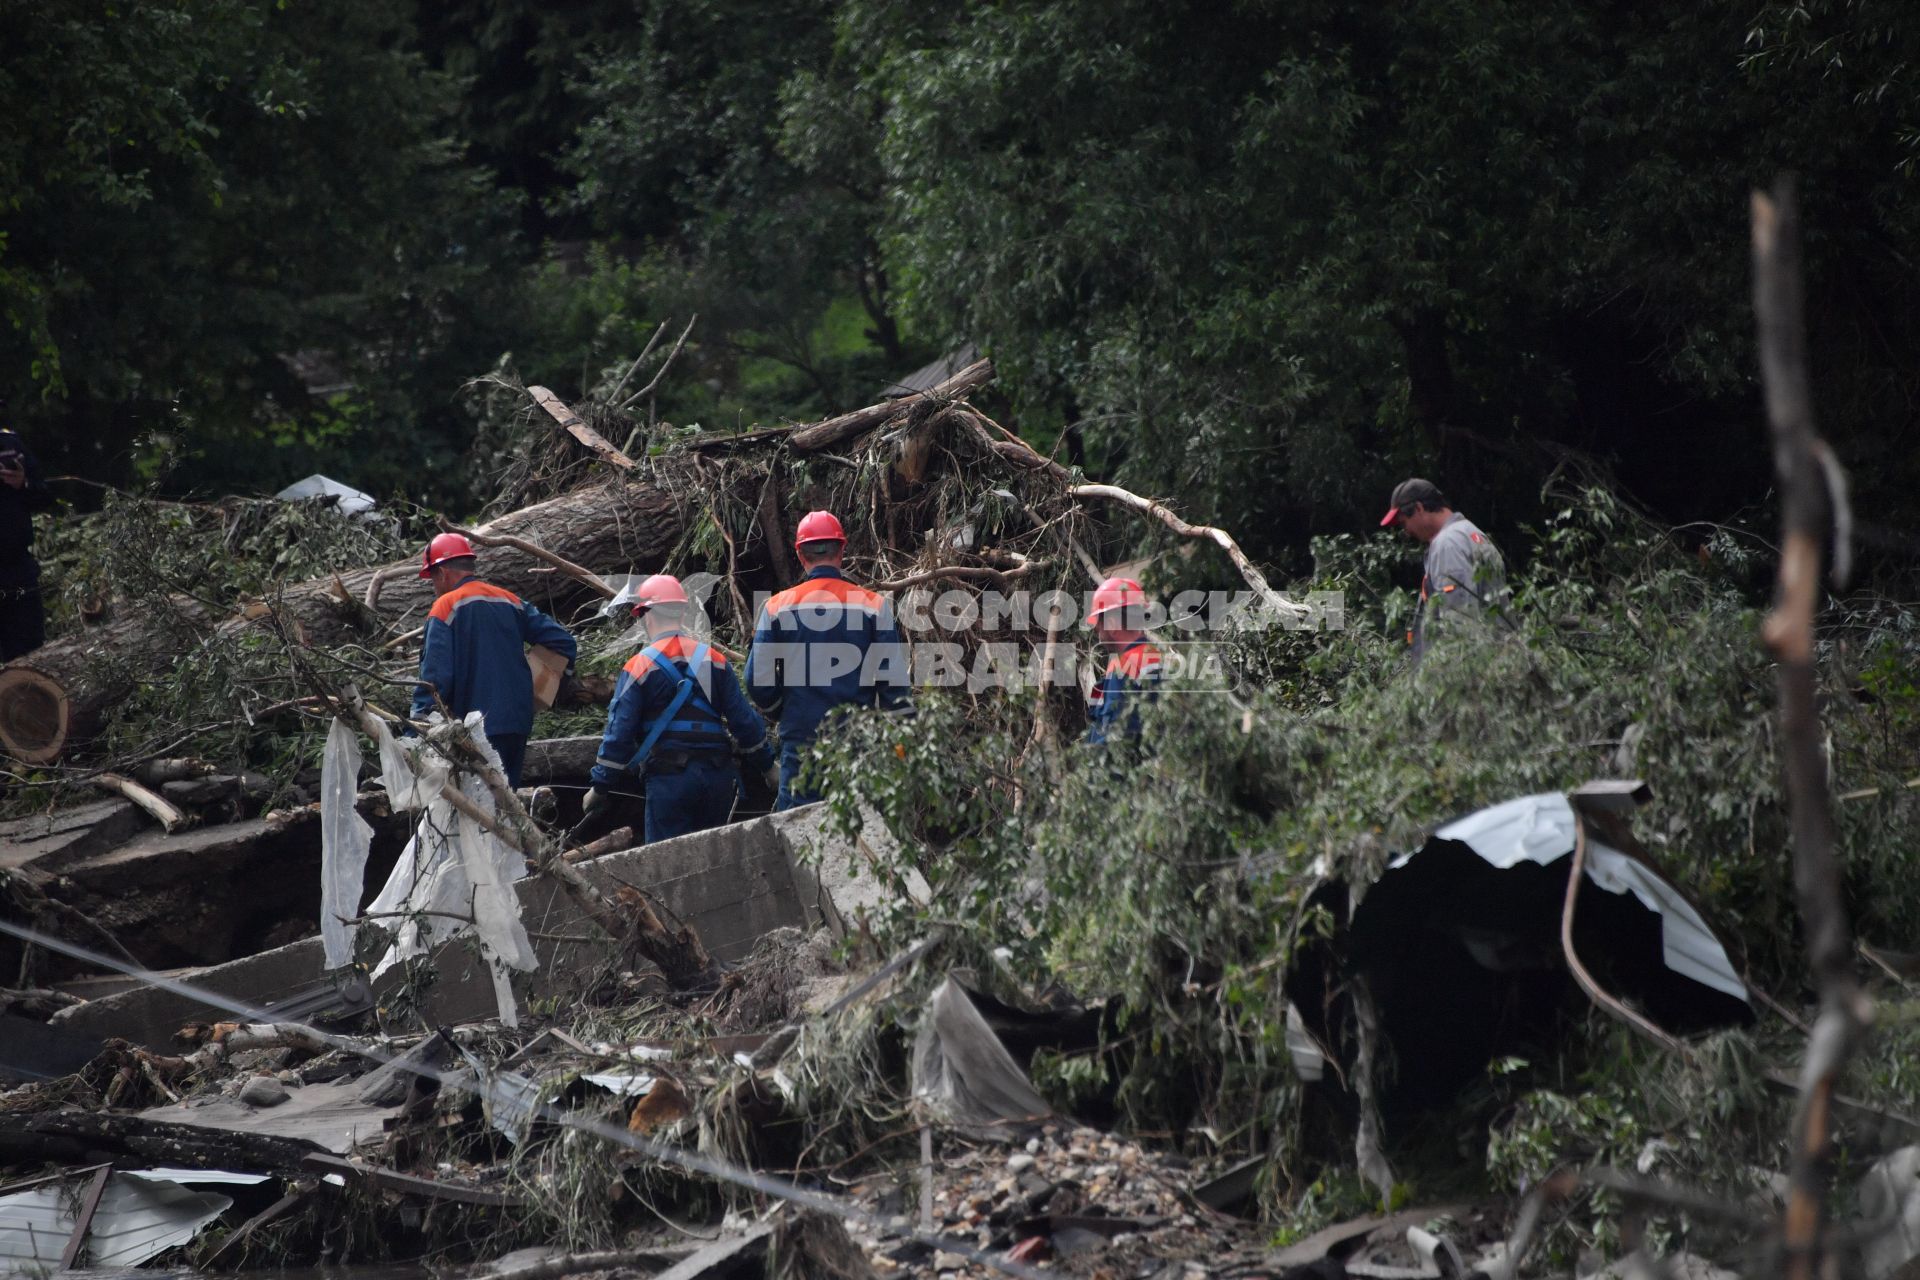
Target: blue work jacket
{"x": 1135, "y": 669}
{"x": 823, "y": 644}
{"x": 714, "y": 716}
{"x": 475, "y": 654}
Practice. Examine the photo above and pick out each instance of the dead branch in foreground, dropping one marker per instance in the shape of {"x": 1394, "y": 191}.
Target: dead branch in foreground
{"x": 1808, "y": 511}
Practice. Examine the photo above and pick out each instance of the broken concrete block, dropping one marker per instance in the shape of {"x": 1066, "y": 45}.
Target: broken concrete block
{"x": 49, "y": 842}
{"x": 263, "y": 1091}
{"x": 1891, "y": 1193}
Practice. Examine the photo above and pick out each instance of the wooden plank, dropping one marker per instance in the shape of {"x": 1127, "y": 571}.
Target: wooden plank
{"x": 81, "y": 1224}
{"x": 408, "y": 1184}
{"x": 720, "y": 1257}
{"x": 570, "y": 422}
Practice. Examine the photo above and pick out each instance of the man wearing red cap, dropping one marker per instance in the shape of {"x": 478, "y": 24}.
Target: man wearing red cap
{"x": 474, "y": 653}
{"x": 1466, "y": 577}
{"x": 823, "y": 644}
{"x": 1118, "y": 619}
{"x": 676, "y": 719}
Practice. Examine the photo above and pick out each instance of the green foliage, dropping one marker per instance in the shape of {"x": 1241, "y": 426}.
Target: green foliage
{"x": 1171, "y": 879}
{"x": 199, "y": 197}
{"x": 146, "y": 549}
{"x": 227, "y": 697}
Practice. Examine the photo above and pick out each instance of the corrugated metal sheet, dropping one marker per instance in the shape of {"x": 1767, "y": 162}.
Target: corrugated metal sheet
{"x": 137, "y": 1220}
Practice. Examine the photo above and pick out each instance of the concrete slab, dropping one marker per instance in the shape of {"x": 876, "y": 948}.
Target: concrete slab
{"x": 732, "y": 884}
{"x": 839, "y": 880}
{"x": 330, "y": 1114}
{"x": 51, "y": 841}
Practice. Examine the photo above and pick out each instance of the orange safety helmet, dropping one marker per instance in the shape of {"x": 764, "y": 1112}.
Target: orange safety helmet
{"x": 661, "y": 588}
{"x": 1116, "y": 593}
{"x": 819, "y": 526}
{"x": 444, "y": 547}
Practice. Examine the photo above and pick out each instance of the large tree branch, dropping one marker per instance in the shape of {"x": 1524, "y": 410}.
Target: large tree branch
{"x": 820, "y": 435}
{"x": 1281, "y": 606}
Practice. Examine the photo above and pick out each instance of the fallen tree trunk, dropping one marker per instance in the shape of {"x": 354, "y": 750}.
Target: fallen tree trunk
{"x": 56, "y": 697}
{"x": 67, "y": 1137}
{"x": 624, "y": 527}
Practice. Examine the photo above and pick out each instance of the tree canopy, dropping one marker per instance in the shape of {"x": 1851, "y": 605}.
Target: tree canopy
{"x": 1262, "y": 258}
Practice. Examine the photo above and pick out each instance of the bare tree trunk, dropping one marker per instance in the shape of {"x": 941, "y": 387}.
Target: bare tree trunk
{"x": 1808, "y": 508}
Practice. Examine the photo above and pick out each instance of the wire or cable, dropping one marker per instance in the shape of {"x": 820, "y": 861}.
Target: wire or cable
{"x": 506, "y": 1101}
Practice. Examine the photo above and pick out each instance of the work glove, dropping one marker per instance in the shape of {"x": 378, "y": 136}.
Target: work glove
{"x": 758, "y": 787}
{"x": 596, "y": 817}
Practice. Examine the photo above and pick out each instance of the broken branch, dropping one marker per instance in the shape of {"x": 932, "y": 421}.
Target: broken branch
{"x": 168, "y": 816}
{"x": 564, "y": 565}
{"x": 665, "y": 365}
{"x": 638, "y": 360}
{"x": 832, "y": 431}
{"x": 570, "y": 422}
{"x": 1220, "y": 537}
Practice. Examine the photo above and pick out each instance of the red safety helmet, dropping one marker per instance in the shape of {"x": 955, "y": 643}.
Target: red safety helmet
{"x": 819, "y": 526}
{"x": 444, "y": 547}
{"x": 1116, "y": 593}
{"x": 661, "y": 588}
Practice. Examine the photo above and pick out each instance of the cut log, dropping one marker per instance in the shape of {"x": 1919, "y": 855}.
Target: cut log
{"x": 552, "y": 760}
{"x": 619, "y": 527}
{"x": 61, "y": 691}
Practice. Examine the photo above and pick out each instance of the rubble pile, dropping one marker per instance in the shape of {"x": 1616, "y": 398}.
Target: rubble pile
{"x": 643, "y": 1060}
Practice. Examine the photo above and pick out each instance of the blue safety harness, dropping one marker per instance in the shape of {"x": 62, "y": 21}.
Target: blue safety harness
{"x": 689, "y": 688}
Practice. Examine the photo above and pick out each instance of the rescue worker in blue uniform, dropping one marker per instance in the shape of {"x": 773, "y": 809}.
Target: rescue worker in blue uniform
{"x": 1118, "y": 616}
{"x": 823, "y": 644}
{"x": 474, "y": 652}
{"x": 676, "y": 718}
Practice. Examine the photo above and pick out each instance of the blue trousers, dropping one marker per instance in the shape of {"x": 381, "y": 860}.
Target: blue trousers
{"x": 697, "y": 798}
{"x": 512, "y": 748}
{"x": 791, "y": 796}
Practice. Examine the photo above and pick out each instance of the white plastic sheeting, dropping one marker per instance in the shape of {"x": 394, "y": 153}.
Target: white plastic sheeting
{"x": 139, "y": 1216}
{"x": 1539, "y": 829}
{"x": 345, "y": 839}
{"x": 963, "y": 1072}
{"x": 351, "y": 502}
{"x": 451, "y": 871}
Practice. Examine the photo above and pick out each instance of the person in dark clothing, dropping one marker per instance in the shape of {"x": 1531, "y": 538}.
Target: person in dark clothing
{"x": 23, "y": 621}
{"x": 473, "y": 656}
{"x": 823, "y": 644}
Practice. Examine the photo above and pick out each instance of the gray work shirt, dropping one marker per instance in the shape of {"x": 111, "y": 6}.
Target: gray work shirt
{"x": 1465, "y": 577}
